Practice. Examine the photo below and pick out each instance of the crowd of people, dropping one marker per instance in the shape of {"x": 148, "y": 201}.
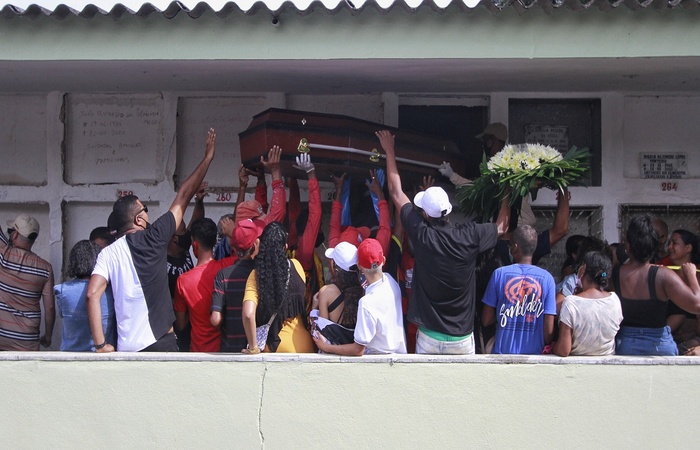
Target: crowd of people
{"x": 402, "y": 279}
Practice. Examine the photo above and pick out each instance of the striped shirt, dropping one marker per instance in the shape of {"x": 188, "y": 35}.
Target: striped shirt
{"x": 229, "y": 287}
{"x": 24, "y": 279}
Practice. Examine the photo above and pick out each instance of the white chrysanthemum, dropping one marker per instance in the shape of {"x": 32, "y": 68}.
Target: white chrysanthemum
{"x": 544, "y": 153}
{"x": 530, "y": 162}
{"x": 523, "y": 157}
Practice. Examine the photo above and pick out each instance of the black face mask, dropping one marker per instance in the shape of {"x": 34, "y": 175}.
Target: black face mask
{"x": 184, "y": 241}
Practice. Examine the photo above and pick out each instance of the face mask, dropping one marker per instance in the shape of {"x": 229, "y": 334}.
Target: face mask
{"x": 184, "y": 241}
{"x": 363, "y": 279}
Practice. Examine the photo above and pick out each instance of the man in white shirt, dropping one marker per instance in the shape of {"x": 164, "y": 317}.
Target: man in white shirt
{"x": 379, "y": 327}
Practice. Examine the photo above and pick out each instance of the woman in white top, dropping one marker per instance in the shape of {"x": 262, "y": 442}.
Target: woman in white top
{"x": 589, "y": 321}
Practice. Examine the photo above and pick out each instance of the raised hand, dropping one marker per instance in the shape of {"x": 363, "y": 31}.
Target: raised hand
{"x": 227, "y": 226}
{"x": 386, "y": 139}
{"x": 427, "y": 182}
{"x": 273, "y": 162}
{"x": 338, "y": 182}
{"x": 210, "y": 146}
{"x": 304, "y": 163}
{"x": 446, "y": 169}
{"x": 202, "y": 191}
{"x": 374, "y": 186}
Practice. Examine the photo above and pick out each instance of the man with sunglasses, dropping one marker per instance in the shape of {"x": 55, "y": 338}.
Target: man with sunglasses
{"x": 135, "y": 268}
{"x": 25, "y": 279}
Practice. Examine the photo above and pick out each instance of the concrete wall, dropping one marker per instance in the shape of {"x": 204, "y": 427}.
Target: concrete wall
{"x": 314, "y": 401}
{"x": 70, "y": 187}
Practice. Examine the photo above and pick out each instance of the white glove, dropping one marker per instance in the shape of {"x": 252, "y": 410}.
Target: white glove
{"x": 446, "y": 170}
{"x": 304, "y": 163}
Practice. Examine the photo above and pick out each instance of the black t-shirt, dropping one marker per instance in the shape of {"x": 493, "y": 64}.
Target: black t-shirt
{"x": 393, "y": 259}
{"x": 149, "y": 250}
{"x": 443, "y": 291}
{"x": 176, "y": 267}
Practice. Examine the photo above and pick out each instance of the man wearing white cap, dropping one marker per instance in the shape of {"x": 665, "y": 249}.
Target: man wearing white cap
{"x": 493, "y": 138}
{"x": 25, "y": 279}
{"x": 443, "y": 291}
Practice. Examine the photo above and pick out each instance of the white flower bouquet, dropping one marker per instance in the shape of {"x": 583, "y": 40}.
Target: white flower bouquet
{"x": 521, "y": 168}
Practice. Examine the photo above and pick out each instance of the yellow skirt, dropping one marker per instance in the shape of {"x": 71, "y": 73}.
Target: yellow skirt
{"x": 295, "y": 338}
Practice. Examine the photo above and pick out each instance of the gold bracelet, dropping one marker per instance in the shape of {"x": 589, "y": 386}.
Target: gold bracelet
{"x": 252, "y": 351}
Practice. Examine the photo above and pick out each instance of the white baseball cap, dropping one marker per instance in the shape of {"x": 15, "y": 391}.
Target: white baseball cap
{"x": 344, "y": 255}
{"x": 434, "y": 201}
{"x": 25, "y": 225}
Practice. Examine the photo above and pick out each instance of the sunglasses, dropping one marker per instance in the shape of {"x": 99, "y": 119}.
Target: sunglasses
{"x": 145, "y": 209}
{"x": 9, "y": 231}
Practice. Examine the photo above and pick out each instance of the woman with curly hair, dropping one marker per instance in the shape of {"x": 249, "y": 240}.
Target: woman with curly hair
{"x": 644, "y": 290}
{"x": 70, "y": 301}
{"x": 276, "y": 288}
{"x": 589, "y": 320}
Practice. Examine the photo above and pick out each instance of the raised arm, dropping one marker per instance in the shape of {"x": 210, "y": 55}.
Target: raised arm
{"x": 560, "y": 227}
{"x": 261, "y": 188}
{"x": 278, "y": 207}
{"x": 198, "y": 211}
{"x": 336, "y": 211}
{"x": 243, "y": 173}
{"x": 386, "y": 139}
{"x": 192, "y": 183}
{"x": 384, "y": 229}
{"x": 503, "y": 219}
{"x": 307, "y": 241}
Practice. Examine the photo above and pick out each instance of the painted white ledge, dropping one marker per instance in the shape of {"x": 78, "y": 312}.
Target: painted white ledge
{"x": 369, "y": 359}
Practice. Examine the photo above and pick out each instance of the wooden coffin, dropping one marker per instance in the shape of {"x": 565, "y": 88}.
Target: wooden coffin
{"x": 417, "y": 154}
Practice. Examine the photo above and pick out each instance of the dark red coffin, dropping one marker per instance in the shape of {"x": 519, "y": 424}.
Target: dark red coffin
{"x": 287, "y": 128}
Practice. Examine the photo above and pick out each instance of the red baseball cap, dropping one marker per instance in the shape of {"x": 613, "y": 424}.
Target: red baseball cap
{"x": 246, "y": 232}
{"x": 354, "y": 235}
{"x": 370, "y": 254}
{"x": 250, "y": 209}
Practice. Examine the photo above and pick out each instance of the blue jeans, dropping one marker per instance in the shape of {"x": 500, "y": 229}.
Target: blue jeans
{"x": 645, "y": 342}
{"x": 427, "y": 345}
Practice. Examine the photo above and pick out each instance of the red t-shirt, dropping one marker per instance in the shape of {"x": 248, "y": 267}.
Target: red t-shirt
{"x": 193, "y": 294}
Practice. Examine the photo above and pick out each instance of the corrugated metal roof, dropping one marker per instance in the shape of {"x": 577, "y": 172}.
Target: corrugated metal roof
{"x": 222, "y": 8}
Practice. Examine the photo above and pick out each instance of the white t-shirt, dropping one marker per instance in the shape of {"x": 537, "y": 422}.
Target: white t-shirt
{"x": 135, "y": 267}
{"x": 379, "y": 320}
{"x": 594, "y": 322}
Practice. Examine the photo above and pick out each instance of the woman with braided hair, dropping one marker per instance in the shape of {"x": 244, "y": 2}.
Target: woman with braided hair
{"x": 274, "y": 294}
{"x": 589, "y": 321}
